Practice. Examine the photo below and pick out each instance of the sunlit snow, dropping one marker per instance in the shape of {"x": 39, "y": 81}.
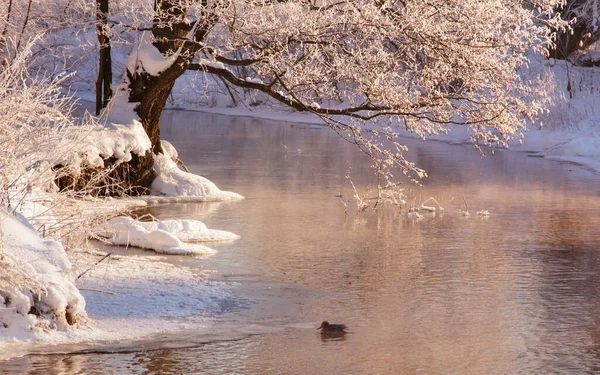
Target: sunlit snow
{"x": 173, "y": 182}
{"x": 163, "y": 236}
{"x": 44, "y": 263}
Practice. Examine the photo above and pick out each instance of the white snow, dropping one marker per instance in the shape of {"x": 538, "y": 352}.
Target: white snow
{"x": 162, "y": 236}
{"x": 34, "y": 269}
{"x": 168, "y": 149}
{"x": 148, "y": 58}
{"x": 115, "y": 140}
{"x": 120, "y": 110}
{"x": 132, "y": 298}
{"x": 189, "y": 230}
{"x": 213, "y": 64}
{"x": 173, "y": 182}
{"x": 121, "y": 136}
{"x": 580, "y": 144}
{"x": 254, "y": 80}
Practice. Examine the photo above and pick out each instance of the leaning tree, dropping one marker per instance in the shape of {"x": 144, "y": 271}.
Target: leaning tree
{"x": 369, "y": 68}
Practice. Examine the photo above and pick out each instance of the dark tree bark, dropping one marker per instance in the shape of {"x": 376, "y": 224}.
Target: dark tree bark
{"x": 103, "y": 89}
{"x": 170, "y": 34}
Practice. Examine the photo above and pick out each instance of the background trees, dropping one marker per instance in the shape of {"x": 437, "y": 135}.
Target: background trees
{"x": 584, "y": 18}
{"x": 104, "y": 80}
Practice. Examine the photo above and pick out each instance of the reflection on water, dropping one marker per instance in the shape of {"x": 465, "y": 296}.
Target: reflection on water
{"x": 514, "y": 293}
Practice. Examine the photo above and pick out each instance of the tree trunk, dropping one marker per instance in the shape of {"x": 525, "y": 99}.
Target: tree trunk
{"x": 104, "y": 81}
{"x": 170, "y": 32}
{"x": 150, "y": 93}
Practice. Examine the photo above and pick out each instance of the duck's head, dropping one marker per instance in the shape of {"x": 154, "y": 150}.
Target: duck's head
{"x": 324, "y": 325}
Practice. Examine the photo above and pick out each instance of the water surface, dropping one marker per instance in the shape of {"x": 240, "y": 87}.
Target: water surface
{"x": 513, "y": 293}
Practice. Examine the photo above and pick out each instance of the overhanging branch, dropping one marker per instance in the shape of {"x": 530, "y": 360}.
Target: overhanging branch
{"x": 364, "y": 112}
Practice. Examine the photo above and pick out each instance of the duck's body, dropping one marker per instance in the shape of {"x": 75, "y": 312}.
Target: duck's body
{"x": 326, "y": 327}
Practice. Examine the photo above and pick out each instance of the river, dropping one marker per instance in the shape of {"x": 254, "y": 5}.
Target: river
{"x": 515, "y": 292}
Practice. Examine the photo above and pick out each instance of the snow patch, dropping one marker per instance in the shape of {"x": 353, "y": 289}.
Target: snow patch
{"x": 147, "y": 58}
{"x": 119, "y": 109}
{"x": 122, "y": 136}
{"x": 212, "y": 64}
{"x": 173, "y": 182}
{"x": 169, "y": 149}
{"x": 116, "y": 140}
{"x": 163, "y": 237}
{"x": 189, "y": 230}
{"x": 254, "y": 80}
{"x": 27, "y": 262}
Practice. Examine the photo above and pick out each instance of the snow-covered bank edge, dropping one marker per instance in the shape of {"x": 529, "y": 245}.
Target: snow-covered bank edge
{"x": 127, "y": 298}
{"x": 37, "y": 296}
{"x": 132, "y": 299}
{"x": 247, "y": 310}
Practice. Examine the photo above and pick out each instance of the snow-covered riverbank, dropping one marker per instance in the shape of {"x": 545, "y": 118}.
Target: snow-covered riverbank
{"x": 127, "y": 298}
{"x": 42, "y": 285}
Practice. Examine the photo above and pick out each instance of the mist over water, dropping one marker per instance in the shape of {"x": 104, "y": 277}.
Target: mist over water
{"x": 517, "y": 292}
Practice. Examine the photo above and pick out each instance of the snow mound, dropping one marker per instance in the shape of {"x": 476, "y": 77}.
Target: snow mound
{"x": 163, "y": 236}
{"x": 189, "y": 230}
{"x": 121, "y": 136}
{"x": 173, "y": 182}
{"x": 115, "y": 140}
{"x": 35, "y": 295}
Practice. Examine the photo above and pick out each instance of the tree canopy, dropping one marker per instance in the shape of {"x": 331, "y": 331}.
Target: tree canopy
{"x": 371, "y": 69}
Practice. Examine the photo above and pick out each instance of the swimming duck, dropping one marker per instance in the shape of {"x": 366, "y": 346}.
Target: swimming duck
{"x": 326, "y": 327}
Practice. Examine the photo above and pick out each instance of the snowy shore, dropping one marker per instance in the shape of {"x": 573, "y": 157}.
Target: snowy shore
{"x": 103, "y": 298}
